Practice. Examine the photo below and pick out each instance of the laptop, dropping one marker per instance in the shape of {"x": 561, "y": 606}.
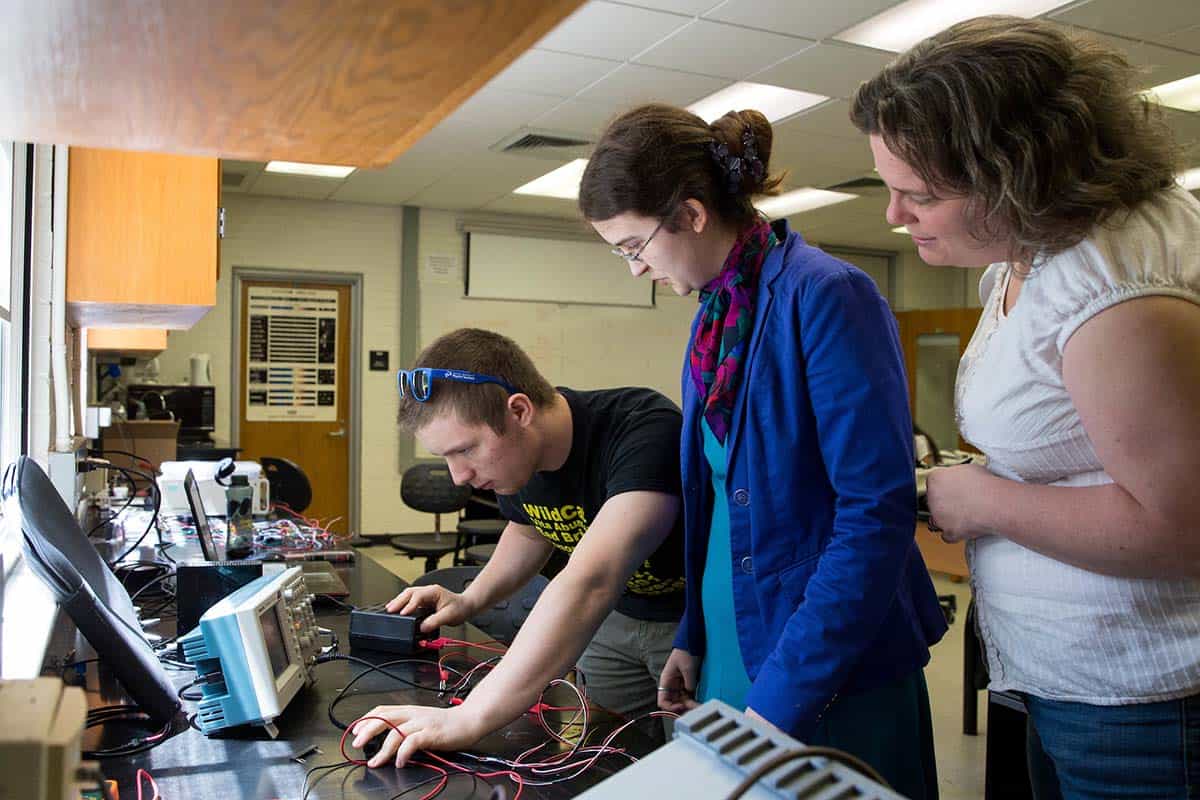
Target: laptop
{"x": 320, "y": 577}
{"x": 191, "y": 488}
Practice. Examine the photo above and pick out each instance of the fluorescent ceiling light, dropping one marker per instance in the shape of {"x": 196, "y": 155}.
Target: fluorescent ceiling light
{"x": 902, "y": 26}
{"x": 1183, "y": 94}
{"x": 311, "y": 170}
{"x": 1190, "y": 179}
{"x": 562, "y": 182}
{"x": 902, "y": 229}
{"x": 799, "y": 201}
{"x": 774, "y": 102}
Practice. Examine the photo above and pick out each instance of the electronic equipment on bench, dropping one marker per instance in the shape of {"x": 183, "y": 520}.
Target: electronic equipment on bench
{"x": 716, "y": 748}
{"x": 253, "y": 652}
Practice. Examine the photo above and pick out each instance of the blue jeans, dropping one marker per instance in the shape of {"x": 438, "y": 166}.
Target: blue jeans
{"x": 1078, "y": 751}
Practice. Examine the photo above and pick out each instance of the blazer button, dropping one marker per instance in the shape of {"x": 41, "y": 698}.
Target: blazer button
{"x": 741, "y": 497}
{"x": 748, "y": 565}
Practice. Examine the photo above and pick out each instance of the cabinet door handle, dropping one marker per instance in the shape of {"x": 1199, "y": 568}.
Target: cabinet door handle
{"x": 338, "y": 434}
{"x": 221, "y": 222}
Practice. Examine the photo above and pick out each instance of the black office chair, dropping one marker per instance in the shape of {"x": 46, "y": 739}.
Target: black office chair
{"x": 289, "y": 484}
{"x": 479, "y": 555}
{"x": 476, "y": 534}
{"x": 428, "y": 487}
{"x": 501, "y": 621}
{"x": 479, "y": 528}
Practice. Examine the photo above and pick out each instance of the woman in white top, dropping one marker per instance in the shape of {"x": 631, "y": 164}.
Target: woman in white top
{"x": 1005, "y": 142}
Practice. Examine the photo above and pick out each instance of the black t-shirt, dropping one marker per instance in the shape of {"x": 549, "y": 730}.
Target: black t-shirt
{"x": 624, "y": 440}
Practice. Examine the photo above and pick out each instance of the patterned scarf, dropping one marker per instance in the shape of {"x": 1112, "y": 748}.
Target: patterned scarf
{"x": 726, "y": 320}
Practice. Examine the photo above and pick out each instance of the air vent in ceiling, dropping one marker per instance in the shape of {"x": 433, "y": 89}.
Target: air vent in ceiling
{"x": 542, "y": 140}
{"x": 232, "y": 180}
{"x": 541, "y": 143}
{"x": 857, "y": 183}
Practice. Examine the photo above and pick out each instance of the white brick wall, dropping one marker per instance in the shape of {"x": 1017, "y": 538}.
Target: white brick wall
{"x": 276, "y": 233}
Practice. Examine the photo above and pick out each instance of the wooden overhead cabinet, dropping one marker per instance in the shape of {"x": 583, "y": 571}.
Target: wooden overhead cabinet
{"x": 141, "y": 238}
{"x": 143, "y": 341}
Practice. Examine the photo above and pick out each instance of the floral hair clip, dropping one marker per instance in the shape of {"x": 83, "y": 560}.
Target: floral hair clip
{"x": 735, "y": 168}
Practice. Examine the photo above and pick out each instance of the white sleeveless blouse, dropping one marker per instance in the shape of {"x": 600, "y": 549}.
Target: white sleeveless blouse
{"x": 1051, "y": 629}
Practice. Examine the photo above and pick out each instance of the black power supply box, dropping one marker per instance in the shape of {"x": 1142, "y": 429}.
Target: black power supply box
{"x": 373, "y": 628}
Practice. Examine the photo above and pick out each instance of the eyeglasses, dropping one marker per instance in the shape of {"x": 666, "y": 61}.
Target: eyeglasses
{"x": 417, "y": 383}
{"x": 637, "y": 254}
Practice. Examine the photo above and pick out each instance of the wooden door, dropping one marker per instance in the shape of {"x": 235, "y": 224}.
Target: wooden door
{"x": 314, "y": 430}
{"x": 923, "y": 333}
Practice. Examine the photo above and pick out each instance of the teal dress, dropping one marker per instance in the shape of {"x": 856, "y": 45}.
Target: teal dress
{"x": 876, "y": 725}
{"x": 722, "y": 673}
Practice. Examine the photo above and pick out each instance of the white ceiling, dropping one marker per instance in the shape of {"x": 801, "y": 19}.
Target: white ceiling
{"x": 609, "y": 56}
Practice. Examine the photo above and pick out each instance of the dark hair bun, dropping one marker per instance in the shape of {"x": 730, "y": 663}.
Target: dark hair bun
{"x": 743, "y": 151}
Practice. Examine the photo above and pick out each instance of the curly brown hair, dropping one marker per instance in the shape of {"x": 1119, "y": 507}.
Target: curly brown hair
{"x": 652, "y": 158}
{"x": 485, "y": 353}
{"x": 1044, "y": 133}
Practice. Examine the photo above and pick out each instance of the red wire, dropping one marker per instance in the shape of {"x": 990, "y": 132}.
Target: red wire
{"x": 445, "y": 775}
{"x": 438, "y": 644}
{"x": 141, "y": 773}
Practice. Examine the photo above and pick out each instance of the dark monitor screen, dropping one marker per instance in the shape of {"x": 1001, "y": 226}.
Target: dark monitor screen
{"x": 191, "y": 488}
{"x": 58, "y": 552}
{"x": 273, "y": 637}
{"x": 193, "y": 406}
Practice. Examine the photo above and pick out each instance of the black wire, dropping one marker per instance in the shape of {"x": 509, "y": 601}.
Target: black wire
{"x": 475, "y": 781}
{"x": 183, "y": 689}
{"x": 307, "y": 775}
{"x": 162, "y": 547}
{"x": 341, "y": 695}
{"x": 139, "y": 744}
{"x": 335, "y": 601}
{"x": 156, "y": 498}
{"x": 168, "y": 574}
{"x": 99, "y": 452}
{"x": 833, "y": 754}
{"x": 120, "y": 511}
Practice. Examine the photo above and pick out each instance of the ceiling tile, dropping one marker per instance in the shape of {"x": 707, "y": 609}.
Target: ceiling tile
{"x": 609, "y": 30}
{"x": 480, "y": 179}
{"x": 574, "y": 116}
{"x": 542, "y": 206}
{"x": 1182, "y": 39}
{"x": 243, "y": 167}
{"x": 1162, "y": 64}
{"x": 832, "y": 69}
{"x": 1146, "y": 20}
{"x": 813, "y": 171}
{"x": 248, "y": 170}
{"x": 828, "y": 119}
{"x": 727, "y": 51}
{"x": 490, "y": 115}
{"x": 418, "y": 167}
{"x": 279, "y": 185}
{"x": 551, "y": 73}
{"x": 635, "y": 83}
{"x": 1186, "y": 125}
{"x": 812, "y": 20}
{"x": 801, "y": 152}
{"x": 689, "y": 7}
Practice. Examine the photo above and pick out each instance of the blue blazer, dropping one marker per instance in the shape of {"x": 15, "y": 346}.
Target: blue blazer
{"x": 830, "y": 592}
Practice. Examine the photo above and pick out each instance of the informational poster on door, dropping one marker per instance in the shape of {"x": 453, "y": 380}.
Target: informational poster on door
{"x": 291, "y": 355}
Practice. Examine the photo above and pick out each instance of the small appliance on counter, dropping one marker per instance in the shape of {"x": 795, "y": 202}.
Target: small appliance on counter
{"x": 174, "y": 498}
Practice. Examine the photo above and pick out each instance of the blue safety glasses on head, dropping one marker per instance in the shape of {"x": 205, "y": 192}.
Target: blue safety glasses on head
{"x": 417, "y": 383}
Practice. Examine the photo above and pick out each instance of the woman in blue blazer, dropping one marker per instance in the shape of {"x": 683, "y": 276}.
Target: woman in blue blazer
{"x": 808, "y": 603}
